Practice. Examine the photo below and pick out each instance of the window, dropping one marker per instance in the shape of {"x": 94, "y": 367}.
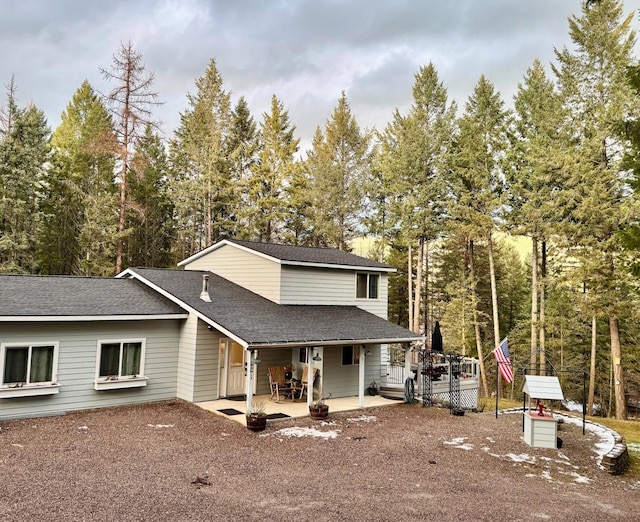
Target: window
{"x": 120, "y": 364}
{"x": 350, "y": 355}
{"x": 302, "y": 356}
{"x": 367, "y": 286}
{"x": 28, "y": 369}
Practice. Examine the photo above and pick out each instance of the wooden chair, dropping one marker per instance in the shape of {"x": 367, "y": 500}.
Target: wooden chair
{"x": 303, "y": 385}
{"x": 278, "y": 383}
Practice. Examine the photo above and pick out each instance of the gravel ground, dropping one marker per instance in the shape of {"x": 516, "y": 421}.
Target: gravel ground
{"x": 174, "y": 461}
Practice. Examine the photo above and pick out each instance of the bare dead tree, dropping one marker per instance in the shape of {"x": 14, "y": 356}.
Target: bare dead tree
{"x": 130, "y": 102}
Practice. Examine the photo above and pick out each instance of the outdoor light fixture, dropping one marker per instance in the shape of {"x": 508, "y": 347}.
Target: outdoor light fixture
{"x": 316, "y": 356}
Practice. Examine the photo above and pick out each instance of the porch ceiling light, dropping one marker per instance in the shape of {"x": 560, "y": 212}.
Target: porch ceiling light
{"x": 316, "y": 356}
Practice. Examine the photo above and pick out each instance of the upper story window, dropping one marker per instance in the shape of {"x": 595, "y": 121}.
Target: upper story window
{"x": 28, "y": 369}
{"x": 120, "y": 364}
{"x": 367, "y": 286}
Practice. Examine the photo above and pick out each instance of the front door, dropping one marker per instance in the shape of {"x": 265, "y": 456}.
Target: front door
{"x": 235, "y": 369}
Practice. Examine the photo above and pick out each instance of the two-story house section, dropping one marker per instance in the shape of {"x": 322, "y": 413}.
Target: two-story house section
{"x": 287, "y": 274}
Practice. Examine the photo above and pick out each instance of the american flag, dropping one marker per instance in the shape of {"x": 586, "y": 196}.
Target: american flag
{"x": 501, "y": 353}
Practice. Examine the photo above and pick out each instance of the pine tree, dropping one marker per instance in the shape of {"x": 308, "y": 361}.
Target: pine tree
{"x": 151, "y": 217}
{"x": 273, "y": 173}
{"x": 593, "y": 83}
{"x": 24, "y": 153}
{"x": 338, "y": 165}
{"x": 203, "y": 188}
{"x": 131, "y": 102}
{"x": 476, "y": 183}
{"x": 81, "y": 206}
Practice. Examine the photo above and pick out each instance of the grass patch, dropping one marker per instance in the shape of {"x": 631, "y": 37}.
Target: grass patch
{"x": 630, "y": 430}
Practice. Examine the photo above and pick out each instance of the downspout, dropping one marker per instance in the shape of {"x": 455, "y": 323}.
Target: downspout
{"x": 361, "y": 366}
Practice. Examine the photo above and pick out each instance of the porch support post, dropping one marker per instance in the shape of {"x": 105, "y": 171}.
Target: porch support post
{"x": 361, "y": 376}
{"x": 407, "y": 361}
{"x": 310, "y": 352}
{"x": 249, "y": 379}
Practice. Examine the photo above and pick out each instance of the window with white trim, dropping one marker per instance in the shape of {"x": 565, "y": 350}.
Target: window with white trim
{"x": 367, "y": 285}
{"x": 350, "y": 355}
{"x": 120, "y": 364}
{"x": 28, "y": 369}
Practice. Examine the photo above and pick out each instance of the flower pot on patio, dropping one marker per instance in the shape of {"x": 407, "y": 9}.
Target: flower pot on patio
{"x": 256, "y": 422}
{"x": 319, "y": 412}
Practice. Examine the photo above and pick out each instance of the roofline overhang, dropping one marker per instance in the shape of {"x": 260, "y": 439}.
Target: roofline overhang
{"x": 133, "y": 274}
{"x": 334, "y": 342}
{"x": 287, "y": 262}
{"x": 84, "y": 318}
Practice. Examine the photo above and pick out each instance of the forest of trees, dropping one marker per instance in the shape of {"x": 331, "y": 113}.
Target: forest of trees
{"x": 443, "y": 189}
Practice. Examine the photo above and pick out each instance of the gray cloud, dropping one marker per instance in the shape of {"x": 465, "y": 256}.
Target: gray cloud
{"x": 304, "y": 51}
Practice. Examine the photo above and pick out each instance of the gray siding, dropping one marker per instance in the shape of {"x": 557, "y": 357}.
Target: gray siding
{"x": 325, "y": 286}
{"x": 206, "y": 369}
{"x": 187, "y": 358}
{"x": 78, "y": 344}
{"x": 251, "y": 271}
{"x": 270, "y": 358}
{"x": 342, "y": 381}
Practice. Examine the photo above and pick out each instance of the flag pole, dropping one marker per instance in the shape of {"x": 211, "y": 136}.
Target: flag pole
{"x": 497, "y": 377}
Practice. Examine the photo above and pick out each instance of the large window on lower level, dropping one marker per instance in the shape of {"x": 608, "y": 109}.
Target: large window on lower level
{"x": 120, "y": 364}
{"x": 28, "y": 369}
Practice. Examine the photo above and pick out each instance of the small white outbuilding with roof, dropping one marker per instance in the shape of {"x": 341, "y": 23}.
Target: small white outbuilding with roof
{"x": 540, "y": 428}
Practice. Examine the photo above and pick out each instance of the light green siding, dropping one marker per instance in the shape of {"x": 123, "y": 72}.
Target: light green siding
{"x": 326, "y": 286}
{"x": 251, "y": 271}
{"x": 342, "y": 381}
{"x": 78, "y": 346}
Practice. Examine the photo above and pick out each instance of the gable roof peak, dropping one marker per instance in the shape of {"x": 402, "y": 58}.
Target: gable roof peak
{"x": 298, "y": 255}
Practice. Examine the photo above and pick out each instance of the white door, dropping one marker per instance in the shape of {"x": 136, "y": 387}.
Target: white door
{"x": 235, "y": 369}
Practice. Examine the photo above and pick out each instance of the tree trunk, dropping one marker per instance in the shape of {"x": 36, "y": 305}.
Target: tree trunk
{"x": 533, "y": 354}
{"x": 618, "y": 374}
{"x": 592, "y": 366}
{"x": 122, "y": 212}
{"x": 417, "y": 300}
{"x": 410, "y": 286}
{"x": 476, "y": 323}
{"x": 541, "y": 326}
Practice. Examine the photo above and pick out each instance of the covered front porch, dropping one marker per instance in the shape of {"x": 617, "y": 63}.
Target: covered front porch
{"x": 235, "y": 409}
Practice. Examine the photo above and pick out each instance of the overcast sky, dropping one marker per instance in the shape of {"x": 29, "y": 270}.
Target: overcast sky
{"x": 304, "y": 51}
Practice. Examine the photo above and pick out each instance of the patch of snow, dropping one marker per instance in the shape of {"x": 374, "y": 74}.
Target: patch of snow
{"x": 485, "y": 449}
{"x": 466, "y": 447}
{"x": 307, "y": 432}
{"x": 523, "y": 457}
{"x": 490, "y": 440}
{"x": 633, "y": 447}
{"x": 83, "y": 428}
{"x": 607, "y": 440}
{"x": 456, "y": 441}
{"x": 160, "y": 426}
{"x": 580, "y": 479}
{"x": 546, "y": 475}
{"x": 328, "y": 423}
{"x": 17, "y": 445}
{"x": 362, "y": 418}
{"x": 543, "y": 516}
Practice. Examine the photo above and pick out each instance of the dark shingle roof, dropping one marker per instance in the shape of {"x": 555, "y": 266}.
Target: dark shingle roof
{"x": 66, "y": 296}
{"x": 300, "y": 254}
{"x": 257, "y": 320}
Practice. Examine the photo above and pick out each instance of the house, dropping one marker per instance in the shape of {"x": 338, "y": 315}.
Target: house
{"x": 203, "y": 332}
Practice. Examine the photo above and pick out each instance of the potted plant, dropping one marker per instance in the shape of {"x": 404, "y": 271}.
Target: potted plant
{"x": 256, "y": 417}
{"x": 319, "y": 409}
{"x": 373, "y": 388}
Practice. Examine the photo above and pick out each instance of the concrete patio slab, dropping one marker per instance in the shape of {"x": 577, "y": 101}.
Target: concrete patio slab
{"x": 235, "y": 409}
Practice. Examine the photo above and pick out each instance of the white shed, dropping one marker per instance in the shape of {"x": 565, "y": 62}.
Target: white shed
{"x": 540, "y": 429}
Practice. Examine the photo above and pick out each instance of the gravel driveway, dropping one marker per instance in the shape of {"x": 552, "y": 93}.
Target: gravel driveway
{"x": 174, "y": 461}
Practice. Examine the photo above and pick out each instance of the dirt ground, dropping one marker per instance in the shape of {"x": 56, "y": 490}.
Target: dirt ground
{"x": 174, "y": 461}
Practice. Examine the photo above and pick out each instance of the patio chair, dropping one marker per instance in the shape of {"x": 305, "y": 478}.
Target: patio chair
{"x": 303, "y": 384}
{"x": 278, "y": 383}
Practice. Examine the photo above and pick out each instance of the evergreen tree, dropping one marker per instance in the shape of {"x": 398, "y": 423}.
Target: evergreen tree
{"x": 593, "y": 83}
{"x": 131, "y": 102}
{"x": 24, "y": 153}
{"x": 151, "y": 217}
{"x": 203, "y": 188}
{"x": 338, "y": 164}
{"x": 273, "y": 173}
{"x": 81, "y": 206}
{"x": 243, "y": 146}
{"x": 477, "y": 185}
